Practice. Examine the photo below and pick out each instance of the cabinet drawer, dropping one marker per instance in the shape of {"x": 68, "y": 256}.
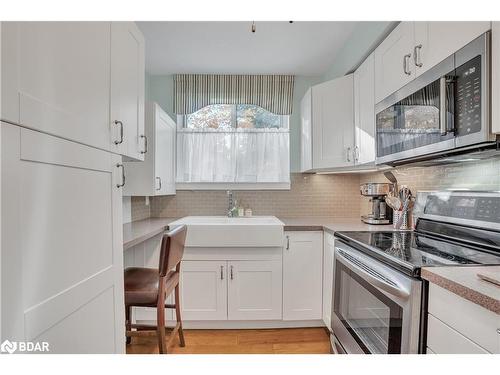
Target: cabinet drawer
{"x": 442, "y": 339}
{"x": 471, "y": 320}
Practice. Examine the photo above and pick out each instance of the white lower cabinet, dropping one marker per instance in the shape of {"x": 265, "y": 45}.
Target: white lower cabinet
{"x": 328, "y": 252}
{"x": 61, "y": 244}
{"x": 472, "y": 331}
{"x": 203, "y": 290}
{"x": 231, "y": 290}
{"x": 302, "y": 275}
{"x": 254, "y": 290}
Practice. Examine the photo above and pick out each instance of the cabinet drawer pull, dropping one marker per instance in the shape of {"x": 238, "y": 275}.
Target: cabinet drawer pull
{"x": 159, "y": 183}
{"x": 406, "y": 59}
{"x": 498, "y": 331}
{"x": 122, "y": 184}
{"x": 222, "y": 272}
{"x": 348, "y": 154}
{"x": 288, "y": 242}
{"x": 145, "y": 144}
{"x": 231, "y": 272}
{"x": 118, "y": 122}
{"x": 416, "y": 56}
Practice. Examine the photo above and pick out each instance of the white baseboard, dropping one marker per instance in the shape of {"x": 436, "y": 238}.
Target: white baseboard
{"x": 242, "y": 324}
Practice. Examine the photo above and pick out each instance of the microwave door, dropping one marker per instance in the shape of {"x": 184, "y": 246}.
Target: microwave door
{"x": 421, "y": 122}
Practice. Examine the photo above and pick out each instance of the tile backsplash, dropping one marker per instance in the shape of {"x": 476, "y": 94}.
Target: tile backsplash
{"x": 481, "y": 175}
{"x": 321, "y": 195}
{"x": 310, "y": 195}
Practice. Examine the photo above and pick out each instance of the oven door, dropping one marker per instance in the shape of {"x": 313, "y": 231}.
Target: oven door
{"x": 376, "y": 309}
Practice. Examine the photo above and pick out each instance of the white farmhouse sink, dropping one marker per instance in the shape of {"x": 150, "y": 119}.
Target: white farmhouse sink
{"x": 222, "y": 231}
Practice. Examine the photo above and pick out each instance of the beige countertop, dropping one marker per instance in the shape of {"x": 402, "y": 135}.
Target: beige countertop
{"x": 141, "y": 230}
{"x": 330, "y": 224}
{"x": 464, "y": 282}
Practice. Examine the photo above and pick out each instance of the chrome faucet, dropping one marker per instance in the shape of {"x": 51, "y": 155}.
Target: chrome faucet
{"x": 230, "y": 203}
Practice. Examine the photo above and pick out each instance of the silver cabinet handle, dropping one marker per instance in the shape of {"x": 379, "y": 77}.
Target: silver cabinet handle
{"x": 119, "y": 165}
{"x": 348, "y": 157}
{"x": 416, "y": 56}
{"x": 159, "y": 183}
{"x": 118, "y": 122}
{"x": 222, "y": 272}
{"x": 356, "y": 153}
{"x": 498, "y": 331}
{"x": 287, "y": 243}
{"x": 231, "y": 272}
{"x": 406, "y": 59}
{"x": 145, "y": 144}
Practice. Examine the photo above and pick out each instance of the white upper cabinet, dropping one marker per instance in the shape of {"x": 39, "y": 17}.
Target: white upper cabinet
{"x": 435, "y": 41}
{"x": 127, "y": 90}
{"x": 306, "y": 132}
{"x": 364, "y": 112}
{"x": 333, "y": 123}
{"x": 394, "y": 66}
{"x": 302, "y": 275}
{"x": 55, "y": 79}
{"x": 82, "y": 81}
{"x": 156, "y": 175}
{"x": 415, "y": 47}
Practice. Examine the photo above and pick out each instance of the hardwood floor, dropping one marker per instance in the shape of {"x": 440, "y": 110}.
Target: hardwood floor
{"x": 241, "y": 341}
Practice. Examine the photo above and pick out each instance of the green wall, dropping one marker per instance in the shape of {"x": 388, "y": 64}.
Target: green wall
{"x": 364, "y": 39}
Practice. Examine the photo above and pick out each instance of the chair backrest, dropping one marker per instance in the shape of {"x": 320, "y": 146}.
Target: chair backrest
{"x": 172, "y": 249}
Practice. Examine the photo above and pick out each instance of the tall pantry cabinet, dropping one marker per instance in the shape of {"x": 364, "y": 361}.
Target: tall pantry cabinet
{"x": 62, "y": 177}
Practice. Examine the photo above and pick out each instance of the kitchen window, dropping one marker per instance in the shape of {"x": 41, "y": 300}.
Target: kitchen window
{"x": 233, "y": 146}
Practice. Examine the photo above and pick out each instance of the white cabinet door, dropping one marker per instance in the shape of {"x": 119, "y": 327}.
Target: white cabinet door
{"x": 302, "y": 275}
{"x": 165, "y": 156}
{"x": 254, "y": 290}
{"x": 435, "y": 41}
{"x": 364, "y": 111}
{"x": 333, "y": 123}
{"x": 306, "y": 132}
{"x": 156, "y": 175}
{"x": 127, "y": 89}
{"x": 62, "y": 247}
{"x": 203, "y": 290}
{"x": 394, "y": 65}
{"x": 56, "y": 79}
{"x": 328, "y": 252}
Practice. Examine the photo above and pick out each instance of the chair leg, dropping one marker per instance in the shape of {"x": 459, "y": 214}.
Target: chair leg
{"x": 178, "y": 316}
{"x": 160, "y": 329}
{"x": 128, "y": 322}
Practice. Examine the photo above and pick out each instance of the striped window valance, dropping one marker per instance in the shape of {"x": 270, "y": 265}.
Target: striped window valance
{"x": 195, "y": 91}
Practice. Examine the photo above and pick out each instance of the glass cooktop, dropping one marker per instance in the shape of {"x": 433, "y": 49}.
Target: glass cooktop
{"x": 409, "y": 251}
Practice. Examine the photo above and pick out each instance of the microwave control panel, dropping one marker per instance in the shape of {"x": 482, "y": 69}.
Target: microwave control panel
{"x": 468, "y": 97}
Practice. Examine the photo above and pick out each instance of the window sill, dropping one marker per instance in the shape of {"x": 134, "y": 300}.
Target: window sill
{"x": 233, "y": 186}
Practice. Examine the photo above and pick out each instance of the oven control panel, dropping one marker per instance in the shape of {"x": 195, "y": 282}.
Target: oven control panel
{"x": 468, "y": 206}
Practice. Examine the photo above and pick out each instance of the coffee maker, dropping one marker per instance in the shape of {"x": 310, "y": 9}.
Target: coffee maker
{"x": 381, "y": 212}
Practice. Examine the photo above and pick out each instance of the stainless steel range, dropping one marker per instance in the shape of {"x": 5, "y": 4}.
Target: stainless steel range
{"x": 379, "y": 298}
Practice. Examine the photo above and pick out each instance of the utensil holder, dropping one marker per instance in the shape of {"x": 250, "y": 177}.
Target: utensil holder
{"x": 404, "y": 221}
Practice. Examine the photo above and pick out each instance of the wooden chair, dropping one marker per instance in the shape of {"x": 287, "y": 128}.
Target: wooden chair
{"x": 149, "y": 287}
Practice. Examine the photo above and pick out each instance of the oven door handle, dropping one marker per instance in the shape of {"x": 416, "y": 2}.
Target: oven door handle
{"x": 369, "y": 274}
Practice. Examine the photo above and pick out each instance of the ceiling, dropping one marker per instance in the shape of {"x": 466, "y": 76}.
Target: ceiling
{"x": 300, "y": 48}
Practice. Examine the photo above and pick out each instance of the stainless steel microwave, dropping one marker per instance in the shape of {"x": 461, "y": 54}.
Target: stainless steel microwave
{"x": 444, "y": 110}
